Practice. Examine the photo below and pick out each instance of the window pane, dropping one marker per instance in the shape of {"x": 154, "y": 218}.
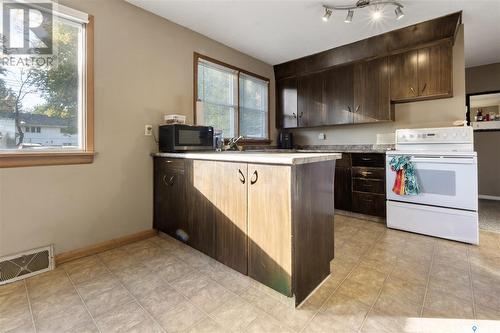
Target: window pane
{"x": 220, "y": 117}
{"x": 253, "y": 107}
{"x": 253, "y": 123}
{"x": 48, "y": 115}
{"x": 217, "y": 90}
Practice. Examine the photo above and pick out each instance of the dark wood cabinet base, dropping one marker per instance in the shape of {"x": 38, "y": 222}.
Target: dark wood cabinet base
{"x": 360, "y": 185}
{"x": 271, "y": 222}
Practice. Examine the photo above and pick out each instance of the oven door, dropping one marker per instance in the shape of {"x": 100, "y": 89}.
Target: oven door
{"x": 444, "y": 181}
{"x": 193, "y": 138}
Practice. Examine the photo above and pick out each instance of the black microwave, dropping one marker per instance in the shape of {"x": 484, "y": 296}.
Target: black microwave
{"x": 180, "y": 138}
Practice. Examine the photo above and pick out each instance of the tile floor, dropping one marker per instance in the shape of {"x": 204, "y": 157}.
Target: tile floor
{"x": 382, "y": 281}
{"x": 489, "y": 215}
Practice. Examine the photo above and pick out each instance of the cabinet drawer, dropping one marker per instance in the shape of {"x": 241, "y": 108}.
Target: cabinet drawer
{"x": 367, "y": 185}
{"x": 171, "y": 165}
{"x": 368, "y": 160}
{"x": 368, "y": 173}
{"x": 369, "y": 204}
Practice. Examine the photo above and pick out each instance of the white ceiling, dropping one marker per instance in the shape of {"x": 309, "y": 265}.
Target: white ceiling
{"x": 280, "y": 30}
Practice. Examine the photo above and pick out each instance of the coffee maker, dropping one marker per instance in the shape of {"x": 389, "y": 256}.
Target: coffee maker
{"x": 285, "y": 140}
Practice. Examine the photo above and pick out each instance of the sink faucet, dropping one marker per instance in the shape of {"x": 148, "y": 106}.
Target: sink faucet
{"x": 233, "y": 144}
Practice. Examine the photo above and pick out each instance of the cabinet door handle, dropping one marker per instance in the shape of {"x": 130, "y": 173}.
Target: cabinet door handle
{"x": 425, "y": 86}
{"x": 366, "y": 158}
{"x": 170, "y": 182}
{"x": 301, "y": 114}
{"x": 366, "y": 173}
{"x": 357, "y": 108}
{"x": 413, "y": 91}
{"x": 294, "y": 115}
{"x": 255, "y": 177}
{"x": 242, "y": 177}
{"x": 349, "y": 108}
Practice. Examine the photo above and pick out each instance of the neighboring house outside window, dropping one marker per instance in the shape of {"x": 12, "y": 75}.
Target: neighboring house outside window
{"x": 231, "y": 100}
{"x": 46, "y": 111}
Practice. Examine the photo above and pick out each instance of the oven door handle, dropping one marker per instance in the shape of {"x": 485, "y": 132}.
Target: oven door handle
{"x": 443, "y": 160}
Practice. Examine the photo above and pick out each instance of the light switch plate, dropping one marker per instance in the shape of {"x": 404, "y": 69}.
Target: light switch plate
{"x": 148, "y": 130}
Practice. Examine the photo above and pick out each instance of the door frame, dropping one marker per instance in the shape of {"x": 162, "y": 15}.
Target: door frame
{"x": 467, "y": 101}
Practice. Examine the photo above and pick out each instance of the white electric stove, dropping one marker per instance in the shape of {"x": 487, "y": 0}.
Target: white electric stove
{"x": 446, "y": 170}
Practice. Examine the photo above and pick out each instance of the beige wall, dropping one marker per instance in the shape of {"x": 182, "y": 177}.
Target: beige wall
{"x": 433, "y": 113}
{"x": 483, "y": 79}
{"x": 488, "y": 162}
{"x": 143, "y": 69}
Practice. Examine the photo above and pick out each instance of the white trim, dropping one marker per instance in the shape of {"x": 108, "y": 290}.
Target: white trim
{"x": 70, "y": 13}
{"x": 489, "y": 197}
{"x": 58, "y": 10}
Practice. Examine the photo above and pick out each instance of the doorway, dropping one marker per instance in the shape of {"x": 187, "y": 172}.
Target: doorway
{"x": 484, "y": 117}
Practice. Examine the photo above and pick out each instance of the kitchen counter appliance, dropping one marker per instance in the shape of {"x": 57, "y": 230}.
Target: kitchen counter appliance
{"x": 181, "y": 138}
{"x": 446, "y": 169}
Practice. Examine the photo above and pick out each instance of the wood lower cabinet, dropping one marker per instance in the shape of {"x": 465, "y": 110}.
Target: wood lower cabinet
{"x": 343, "y": 183}
{"x": 169, "y": 195}
{"x": 271, "y": 222}
{"x": 270, "y": 226}
{"x": 201, "y": 181}
{"x": 231, "y": 241}
{"x": 360, "y": 184}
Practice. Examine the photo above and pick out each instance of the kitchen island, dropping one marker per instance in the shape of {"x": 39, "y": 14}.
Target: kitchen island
{"x": 266, "y": 215}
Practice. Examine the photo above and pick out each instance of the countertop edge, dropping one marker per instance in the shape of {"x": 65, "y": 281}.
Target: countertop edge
{"x": 277, "y": 158}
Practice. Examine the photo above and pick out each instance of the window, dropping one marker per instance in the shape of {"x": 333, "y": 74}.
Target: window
{"x": 55, "y": 90}
{"x": 231, "y": 100}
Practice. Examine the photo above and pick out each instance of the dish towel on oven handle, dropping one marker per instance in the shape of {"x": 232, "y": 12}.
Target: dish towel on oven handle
{"x": 406, "y": 181}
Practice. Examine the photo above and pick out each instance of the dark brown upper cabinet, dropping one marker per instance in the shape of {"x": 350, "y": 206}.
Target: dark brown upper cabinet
{"x": 286, "y": 98}
{"x": 404, "y": 80}
{"x": 339, "y": 95}
{"x": 435, "y": 71}
{"x": 422, "y": 74}
{"x": 311, "y": 110}
{"x": 372, "y": 102}
{"x": 360, "y": 82}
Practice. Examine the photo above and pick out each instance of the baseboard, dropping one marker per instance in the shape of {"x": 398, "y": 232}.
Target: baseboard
{"x": 488, "y": 197}
{"x": 104, "y": 246}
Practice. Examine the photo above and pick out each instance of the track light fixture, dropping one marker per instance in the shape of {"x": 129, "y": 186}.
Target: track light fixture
{"x": 328, "y": 13}
{"x": 377, "y": 14}
{"x": 399, "y": 13}
{"x": 349, "y": 16}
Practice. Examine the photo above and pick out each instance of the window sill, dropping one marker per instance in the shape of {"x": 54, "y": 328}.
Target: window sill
{"x": 27, "y": 159}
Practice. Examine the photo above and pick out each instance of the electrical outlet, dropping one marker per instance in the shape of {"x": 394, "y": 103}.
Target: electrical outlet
{"x": 321, "y": 136}
{"x": 148, "y": 130}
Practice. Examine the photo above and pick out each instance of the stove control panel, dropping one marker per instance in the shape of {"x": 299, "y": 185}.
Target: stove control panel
{"x": 451, "y": 135}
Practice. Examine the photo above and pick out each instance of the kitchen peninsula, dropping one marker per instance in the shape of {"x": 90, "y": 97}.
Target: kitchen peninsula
{"x": 267, "y": 215}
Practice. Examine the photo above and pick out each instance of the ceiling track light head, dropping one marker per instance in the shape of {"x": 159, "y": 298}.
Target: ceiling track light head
{"x": 399, "y": 13}
{"x": 349, "y": 16}
{"x": 328, "y": 13}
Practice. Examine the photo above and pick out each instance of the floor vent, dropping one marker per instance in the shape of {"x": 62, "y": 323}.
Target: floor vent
{"x": 23, "y": 265}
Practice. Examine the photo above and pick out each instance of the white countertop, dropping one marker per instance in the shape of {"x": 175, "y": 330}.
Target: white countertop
{"x": 256, "y": 157}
